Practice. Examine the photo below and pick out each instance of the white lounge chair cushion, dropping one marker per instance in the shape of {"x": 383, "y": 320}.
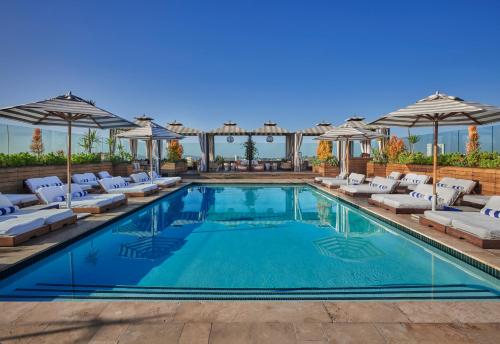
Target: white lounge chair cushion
{"x": 379, "y": 197}
{"x": 156, "y": 176}
{"x": 18, "y": 199}
{"x": 476, "y": 199}
{"x": 49, "y": 215}
{"x": 414, "y": 179}
{"x": 334, "y": 181}
{"x": 446, "y": 196}
{"x": 341, "y": 176}
{"x": 140, "y": 177}
{"x": 463, "y": 185}
{"x": 118, "y": 185}
{"x": 480, "y": 225}
{"x": 36, "y": 183}
{"x": 445, "y": 217}
{"x": 394, "y": 175}
{"x": 492, "y": 207}
{"x": 362, "y": 189}
{"x": 15, "y": 225}
{"x": 104, "y": 174}
{"x": 405, "y": 202}
{"x": 51, "y": 194}
{"x": 356, "y": 178}
{"x": 85, "y": 179}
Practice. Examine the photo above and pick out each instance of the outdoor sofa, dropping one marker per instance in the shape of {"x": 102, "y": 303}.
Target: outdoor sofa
{"x": 479, "y": 228}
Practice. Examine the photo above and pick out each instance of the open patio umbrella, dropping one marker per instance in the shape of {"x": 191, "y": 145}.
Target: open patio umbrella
{"x": 150, "y": 131}
{"x": 440, "y": 109}
{"x": 349, "y": 134}
{"x": 69, "y": 111}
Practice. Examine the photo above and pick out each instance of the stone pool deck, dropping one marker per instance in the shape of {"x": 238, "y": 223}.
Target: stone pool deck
{"x": 246, "y": 322}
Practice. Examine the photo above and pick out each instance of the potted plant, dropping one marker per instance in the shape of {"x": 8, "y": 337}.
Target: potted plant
{"x": 174, "y": 162}
{"x": 325, "y": 167}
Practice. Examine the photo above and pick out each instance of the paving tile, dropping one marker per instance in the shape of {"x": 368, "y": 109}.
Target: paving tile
{"x": 20, "y": 333}
{"x": 207, "y": 311}
{"x": 139, "y": 312}
{"x": 108, "y": 333}
{"x": 10, "y": 311}
{"x": 451, "y": 312}
{"x": 55, "y": 313}
{"x": 346, "y": 333}
{"x": 230, "y": 333}
{"x": 195, "y": 333}
{"x": 295, "y": 312}
{"x": 365, "y": 312}
{"x": 309, "y": 331}
{"x": 272, "y": 333}
{"x": 71, "y": 332}
{"x": 152, "y": 333}
{"x": 480, "y": 333}
{"x": 422, "y": 333}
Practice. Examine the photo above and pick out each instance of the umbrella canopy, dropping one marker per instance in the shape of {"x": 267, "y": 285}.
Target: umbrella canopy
{"x": 348, "y": 134}
{"x": 229, "y": 128}
{"x": 319, "y": 129}
{"x": 66, "y": 110}
{"x": 270, "y": 128}
{"x": 358, "y": 122}
{"x": 440, "y": 109}
{"x": 179, "y": 128}
{"x": 149, "y": 131}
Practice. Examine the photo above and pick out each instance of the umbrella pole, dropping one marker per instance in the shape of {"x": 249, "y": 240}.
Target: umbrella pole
{"x": 68, "y": 166}
{"x": 434, "y": 166}
{"x": 347, "y": 160}
{"x": 151, "y": 158}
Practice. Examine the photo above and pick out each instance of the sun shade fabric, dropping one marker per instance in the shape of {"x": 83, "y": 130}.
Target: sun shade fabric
{"x": 57, "y": 111}
{"x": 317, "y": 130}
{"x": 270, "y": 128}
{"x": 350, "y": 134}
{"x": 447, "y": 110}
{"x": 150, "y": 131}
{"x": 178, "y": 128}
{"x": 230, "y": 128}
{"x": 358, "y": 122}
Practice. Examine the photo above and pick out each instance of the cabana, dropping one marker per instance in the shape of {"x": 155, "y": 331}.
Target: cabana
{"x": 229, "y": 129}
{"x": 271, "y": 129}
{"x": 319, "y": 129}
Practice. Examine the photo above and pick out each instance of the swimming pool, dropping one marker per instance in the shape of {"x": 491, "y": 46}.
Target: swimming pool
{"x": 249, "y": 242}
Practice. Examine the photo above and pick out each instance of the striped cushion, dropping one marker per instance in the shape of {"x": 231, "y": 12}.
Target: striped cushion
{"x": 491, "y": 212}
{"x": 79, "y": 194}
{"x": 378, "y": 186}
{"x": 59, "y": 199}
{"x": 420, "y": 195}
{"x": 7, "y": 210}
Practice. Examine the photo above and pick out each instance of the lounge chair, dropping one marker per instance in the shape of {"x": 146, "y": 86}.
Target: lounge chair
{"x": 354, "y": 179}
{"x": 475, "y": 201}
{"x": 465, "y": 186}
{"x": 18, "y": 225}
{"x": 378, "y": 185}
{"x": 394, "y": 175}
{"x": 81, "y": 202}
{"x": 22, "y": 200}
{"x": 163, "y": 182}
{"x": 416, "y": 202}
{"x": 479, "y": 228}
{"x": 34, "y": 184}
{"x": 119, "y": 185}
{"x": 105, "y": 174}
{"x": 411, "y": 180}
{"x": 169, "y": 180}
{"x": 85, "y": 179}
{"x": 341, "y": 176}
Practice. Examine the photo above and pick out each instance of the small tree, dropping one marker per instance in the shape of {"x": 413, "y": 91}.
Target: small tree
{"x": 412, "y": 141}
{"x": 250, "y": 150}
{"x": 395, "y": 147}
{"x": 174, "y": 151}
{"x": 473, "y": 143}
{"x": 324, "y": 150}
{"x": 36, "y": 146}
{"x": 89, "y": 140}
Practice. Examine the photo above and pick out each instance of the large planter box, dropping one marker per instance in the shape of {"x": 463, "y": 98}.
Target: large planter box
{"x": 174, "y": 167}
{"x": 326, "y": 170}
{"x": 12, "y": 178}
{"x": 488, "y": 178}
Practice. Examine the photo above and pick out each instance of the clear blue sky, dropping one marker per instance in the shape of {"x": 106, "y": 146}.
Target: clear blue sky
{"x": 204, "y": 62}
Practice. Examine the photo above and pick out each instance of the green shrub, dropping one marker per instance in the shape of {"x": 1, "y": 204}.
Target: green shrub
{"x": 476, "y": 159}
{"x": 379, "y": 157}
{"x": 331, "y": 161}
{"x": 86, "y": 158}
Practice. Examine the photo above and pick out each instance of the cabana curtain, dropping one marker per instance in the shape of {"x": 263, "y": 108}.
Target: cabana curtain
{"x": 203, "y": 139}
{"x": 296, "y": 153}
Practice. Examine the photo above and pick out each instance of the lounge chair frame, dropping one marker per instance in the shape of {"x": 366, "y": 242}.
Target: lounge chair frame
{"x": 103, "y": 208}
{"x": 459, "y": 234}
{"x": 14, "y": 240}
{"x": 60, "y": 224}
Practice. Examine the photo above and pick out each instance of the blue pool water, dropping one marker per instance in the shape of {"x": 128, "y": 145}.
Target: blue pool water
{"x": 249, "y": 242}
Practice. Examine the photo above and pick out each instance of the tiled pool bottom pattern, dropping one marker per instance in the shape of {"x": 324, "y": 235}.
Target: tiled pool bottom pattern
{"x": 251, "y": 322}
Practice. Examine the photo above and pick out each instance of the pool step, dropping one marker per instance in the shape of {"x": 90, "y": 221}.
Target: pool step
{"x": 60, "y": 291}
